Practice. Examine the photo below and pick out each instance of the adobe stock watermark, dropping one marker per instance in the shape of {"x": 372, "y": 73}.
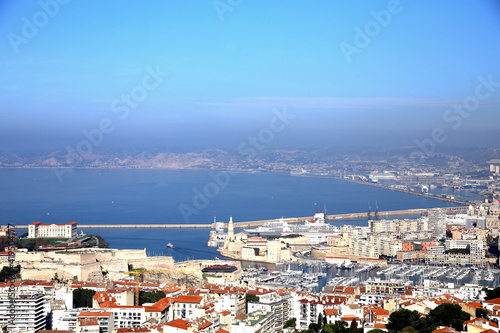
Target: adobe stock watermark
{"x": 223, "y": 6}
{"x": 248, "y": 148}
{"x": 122, "y": 106}
{"x": 455, "y": 115}
{"x": 364, "y": 36}
{"x": 32, "y": 25}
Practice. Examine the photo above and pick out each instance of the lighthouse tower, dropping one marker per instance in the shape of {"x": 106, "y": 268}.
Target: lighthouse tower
{"x": 230, "y": 228}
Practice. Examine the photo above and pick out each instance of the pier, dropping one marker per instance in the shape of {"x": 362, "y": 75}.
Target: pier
{"x": 337, "y": 217}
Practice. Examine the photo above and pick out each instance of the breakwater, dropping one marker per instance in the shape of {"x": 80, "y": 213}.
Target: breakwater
{"x": 336, "y": 217}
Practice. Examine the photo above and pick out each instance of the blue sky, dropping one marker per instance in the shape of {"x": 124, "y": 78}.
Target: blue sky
{"x": 230, "y": 62}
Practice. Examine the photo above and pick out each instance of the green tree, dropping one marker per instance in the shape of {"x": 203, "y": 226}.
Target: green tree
{"x": 82, "y": 298}
{"x": 39, "y": 242}
{"x": 409, "y": 329}
{"x": 376, "y": 330}
{"x": 337, "y": 327}
{"x": 150, "y": 296}
{"x": 4, "y": 243}
{"x": 292, "y": 322}
{"x": 313, "y": 327}
{"x": 26, "y": 243}
{"x": 482, "y": 313}
{"x": 320, "y": 321}
{"x": 492, "y": 293}
{"x": 402, "y": 318}
{"x": 250, "y": 298}
{"x": 7, "y": 273}
{"x": 448, "y": 314}
{"x": 354, "y": 326}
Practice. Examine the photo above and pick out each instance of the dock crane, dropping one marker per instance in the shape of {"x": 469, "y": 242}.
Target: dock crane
{"x": 139, "y": 272}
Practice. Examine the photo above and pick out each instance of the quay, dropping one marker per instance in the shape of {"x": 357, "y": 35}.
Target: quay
{"x": 422, "y": 194}
{"x": 337, "y": 217}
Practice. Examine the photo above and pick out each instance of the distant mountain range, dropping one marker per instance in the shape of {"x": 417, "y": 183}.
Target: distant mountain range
{"x": 278, "y": 159}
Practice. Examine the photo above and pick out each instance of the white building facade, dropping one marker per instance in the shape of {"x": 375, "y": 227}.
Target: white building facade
{"x": 54, "y": 230}
{"x": 27, "y": 310}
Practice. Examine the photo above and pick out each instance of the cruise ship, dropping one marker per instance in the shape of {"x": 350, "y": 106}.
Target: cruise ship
{"x": 315, "y": 229}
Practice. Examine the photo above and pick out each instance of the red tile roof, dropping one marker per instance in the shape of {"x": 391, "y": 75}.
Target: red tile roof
{"x": 40, "y": 223}
{"x": 445, "y": 330}
{"x": 475, "y": 304}
{"x": 179, "y": 323}
{"x": 133, "y": 330}
{"x": 94, "y": 314}
{"x": 479, "y": 321}
{"x": 187, "y": 299}
{"x": 331, "y": 312}
{"x": 88, "y": 322}
{"x": 381, "y": 312}
{"x": 493, "y": 301}
{"x": 379, "y": 325}
{"x": 103, "y": 297}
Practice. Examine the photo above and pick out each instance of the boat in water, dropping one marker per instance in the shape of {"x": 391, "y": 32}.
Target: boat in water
{"x": 170, "y": 245}
{"x": 315, "y": 229}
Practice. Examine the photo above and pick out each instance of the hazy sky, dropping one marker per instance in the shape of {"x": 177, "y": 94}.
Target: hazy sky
{"x": 210, "y": 73}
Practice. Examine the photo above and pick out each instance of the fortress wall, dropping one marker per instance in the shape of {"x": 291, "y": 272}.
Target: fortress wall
{"x": 73, "y": 258}
{"x": 29, "y": 256}
{"x": 153, "y": 263}
{"x": 47, "y": 271}
{"x": 131, "y": 254}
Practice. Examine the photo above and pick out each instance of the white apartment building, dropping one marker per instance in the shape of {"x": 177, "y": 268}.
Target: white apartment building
{"x": 385, "y": 244}
{"x": 363, "y": 248}
{"x": 28, "y": 312}
{"x": 184, "y": 306}
{"x": 282, "y": 310}
{"x": 54, "y": 230}
{"x": 256, "y": 322}
{"x": 307, "y": 310}
{"x": 476, "y": 247}
{"x": 104, "y": 319}
{"x": 127, "y": 316}
{"x": 398, "y": 226}
{"x": 234, "y": 302}
{"x": 437, "y": 222}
